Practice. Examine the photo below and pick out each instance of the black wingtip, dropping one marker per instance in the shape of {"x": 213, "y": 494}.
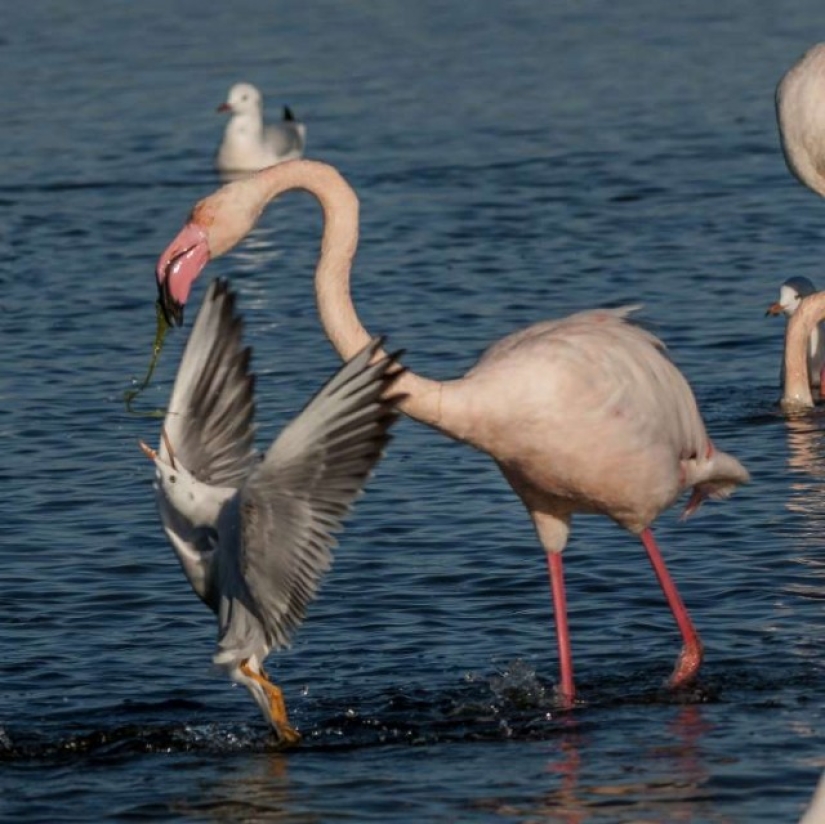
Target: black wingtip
{"x": 289, "y": 117}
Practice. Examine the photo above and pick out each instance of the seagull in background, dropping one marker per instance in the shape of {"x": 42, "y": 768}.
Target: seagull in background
{"x": 248, "y": 145}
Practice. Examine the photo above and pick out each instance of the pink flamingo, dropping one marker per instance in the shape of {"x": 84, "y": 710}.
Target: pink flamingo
{"x": 796, "y": 392}
{"x": 625, "y": 445}
{"x": 800, "y": 114}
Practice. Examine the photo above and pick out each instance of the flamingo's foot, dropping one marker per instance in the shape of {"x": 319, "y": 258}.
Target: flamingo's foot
{"x": 286, "y": 734}
{"x": 687, "y": 667}
{"x": 564, "y": 701}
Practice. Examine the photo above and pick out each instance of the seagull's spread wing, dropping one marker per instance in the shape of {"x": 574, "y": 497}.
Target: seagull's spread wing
{"x": 297, "y": 497}
{"x": 209, "y": 423}
{"x": 209, "y": 428}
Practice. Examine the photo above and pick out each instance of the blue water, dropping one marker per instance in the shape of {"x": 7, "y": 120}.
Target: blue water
{"x": 515, "y": 162}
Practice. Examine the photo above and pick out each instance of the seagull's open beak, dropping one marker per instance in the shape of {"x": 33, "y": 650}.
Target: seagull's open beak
{"x": 168, "y": 447}
{"x": 774, "y": 309}
{"x": 152, "y": 454}
{"x": 224, "y": 107}
{"x": 148, "y": 451}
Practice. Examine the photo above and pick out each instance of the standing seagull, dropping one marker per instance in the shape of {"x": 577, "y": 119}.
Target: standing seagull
{"x": 254, "y": 535}
{"x": 625, "y": 445}
{"x": 248, "y": 145}
{"x": 791, "y": 293}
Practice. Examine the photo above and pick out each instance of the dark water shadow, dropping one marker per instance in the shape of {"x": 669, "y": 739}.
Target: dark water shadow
{"x": 515, "y": 705}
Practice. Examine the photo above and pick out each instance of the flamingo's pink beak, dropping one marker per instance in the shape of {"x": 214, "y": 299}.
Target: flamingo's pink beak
{"x": 178, "y": 267}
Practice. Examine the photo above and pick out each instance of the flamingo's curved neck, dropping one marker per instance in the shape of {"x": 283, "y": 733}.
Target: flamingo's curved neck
{"x": 332, "y": 274}
{"x": 797, "y": 390}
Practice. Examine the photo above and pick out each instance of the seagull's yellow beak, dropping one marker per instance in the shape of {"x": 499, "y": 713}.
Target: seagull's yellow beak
{"x": 148, "y": 451}
{"x": 152, "y": 455}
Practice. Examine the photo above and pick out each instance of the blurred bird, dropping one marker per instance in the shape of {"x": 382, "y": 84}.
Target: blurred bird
{"x": 248, "y": 145}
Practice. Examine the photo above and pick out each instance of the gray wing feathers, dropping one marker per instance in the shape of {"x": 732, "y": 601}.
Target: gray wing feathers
{"x": 285, "y": 138}
{"x": 296, "y": 499}
{"x": 210, "y": 419}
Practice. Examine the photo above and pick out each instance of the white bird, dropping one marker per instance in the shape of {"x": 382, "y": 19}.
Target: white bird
{"x": 254, "y": 535}
{"x": 248, "y": 145}
{"x": 791, "y": 293}
{"x": 626, "y": 445}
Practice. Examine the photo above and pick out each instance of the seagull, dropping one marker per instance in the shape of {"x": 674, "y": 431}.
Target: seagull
{"x": 791, "y": 293}
{"x": 254, "y": 535}
{"x": 247, "y": 144}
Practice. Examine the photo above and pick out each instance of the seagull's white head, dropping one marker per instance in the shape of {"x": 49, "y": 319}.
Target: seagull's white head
{"x": 198, "y": 502}
{"x": 243, "y": 98}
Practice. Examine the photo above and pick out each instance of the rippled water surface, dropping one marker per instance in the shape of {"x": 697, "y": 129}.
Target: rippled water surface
{"x": 515, "y": 161}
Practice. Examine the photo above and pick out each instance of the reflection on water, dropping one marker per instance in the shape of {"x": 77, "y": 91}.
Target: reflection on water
{"x": 251, "y": 790}
{"x": 806, "y": 460}
{"x": 576, "y": 797}
{"x": 257, "y": 255}
{"x": 806, "y": 443}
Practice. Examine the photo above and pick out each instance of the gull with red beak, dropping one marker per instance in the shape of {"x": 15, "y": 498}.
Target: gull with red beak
{"x": 248, "y": 145}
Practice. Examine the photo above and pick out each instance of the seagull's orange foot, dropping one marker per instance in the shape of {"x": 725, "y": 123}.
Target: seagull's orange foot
{"x": 687, "y": 667}
{"x": 286, "y": 734}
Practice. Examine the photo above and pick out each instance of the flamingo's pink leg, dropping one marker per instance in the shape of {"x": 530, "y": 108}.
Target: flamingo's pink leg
{"x": 690, "y": 659}
{"x": 568, "y": 691}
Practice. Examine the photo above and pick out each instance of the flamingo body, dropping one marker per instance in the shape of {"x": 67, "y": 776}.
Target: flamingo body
{"x": 638, "y": 424}
{"x": 800, "y": 114}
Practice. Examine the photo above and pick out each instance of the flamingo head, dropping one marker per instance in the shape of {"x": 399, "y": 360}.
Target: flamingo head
{"x": 178, "y": 267}
{"x": 217, "y": 224}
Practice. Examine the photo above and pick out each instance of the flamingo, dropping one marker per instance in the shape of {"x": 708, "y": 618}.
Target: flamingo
{"x": 791, "y": 293}
{"x": 625, "y": 445}
{"x": 800, "y": 115}
{"x": 815, "y": 812}
{"x": 247, "y": 144}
